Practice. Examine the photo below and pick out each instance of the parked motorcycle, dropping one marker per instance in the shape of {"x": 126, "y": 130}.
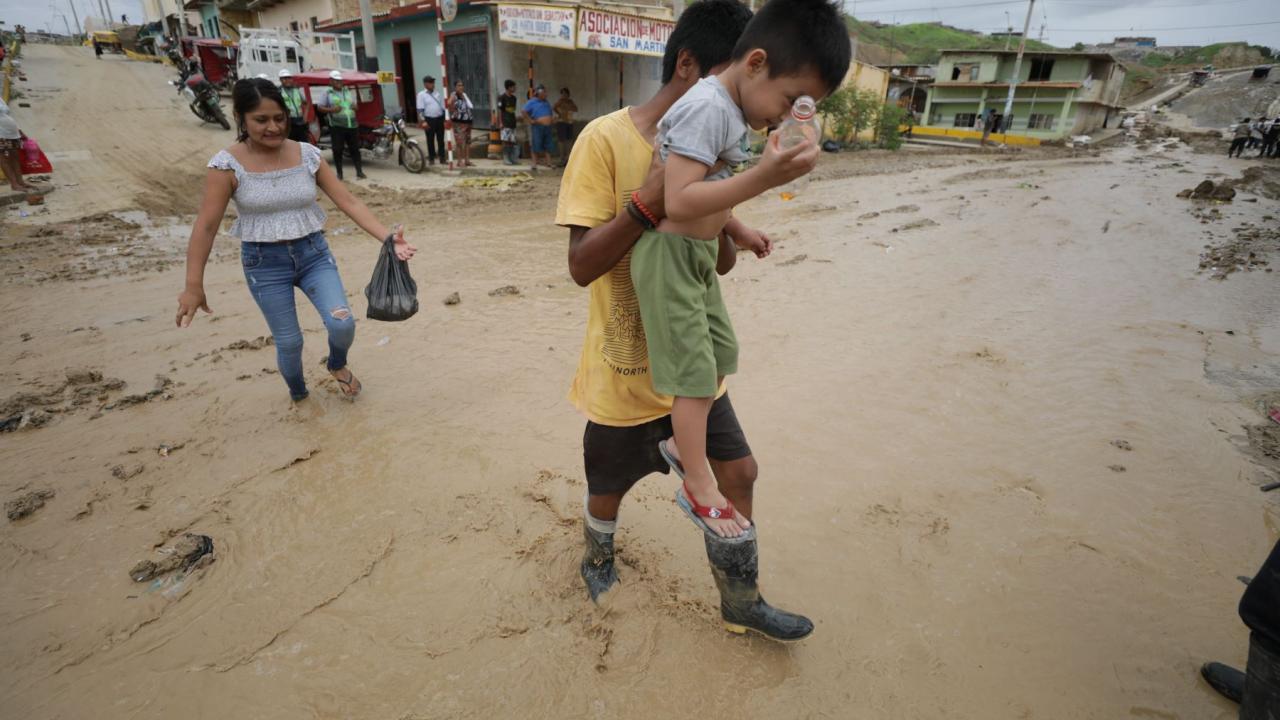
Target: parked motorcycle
{"x": 380, "y": 140}
{"x": 202, "y": 97}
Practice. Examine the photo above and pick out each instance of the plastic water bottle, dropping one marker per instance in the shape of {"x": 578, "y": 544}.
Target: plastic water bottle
{"x": 801, "y": 126}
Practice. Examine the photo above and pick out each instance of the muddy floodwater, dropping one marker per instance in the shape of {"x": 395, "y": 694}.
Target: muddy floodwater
{"x": 1010, "y": 431}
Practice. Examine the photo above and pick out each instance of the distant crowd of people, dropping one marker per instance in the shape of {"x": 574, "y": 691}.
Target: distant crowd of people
{"x": 547, "y": 123}
{"x": 1261, "y": 134}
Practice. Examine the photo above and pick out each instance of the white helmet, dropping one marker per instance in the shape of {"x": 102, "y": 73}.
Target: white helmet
{"x": 285, "y": 73}
{"x": 335, "y": 75}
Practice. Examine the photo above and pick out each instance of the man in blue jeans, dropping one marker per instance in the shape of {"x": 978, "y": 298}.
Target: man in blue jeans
{"x": 538, "y": 113}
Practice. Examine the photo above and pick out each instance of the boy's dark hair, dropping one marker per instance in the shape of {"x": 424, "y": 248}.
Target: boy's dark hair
{"x": 708, "y": 29}
{"x": 509, "y": 84}
{"x": 427, "y": 79}
{"x": 798, "y": 35}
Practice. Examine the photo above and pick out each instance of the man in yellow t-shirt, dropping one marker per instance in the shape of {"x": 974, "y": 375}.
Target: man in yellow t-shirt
{"x": 626, "y": 419}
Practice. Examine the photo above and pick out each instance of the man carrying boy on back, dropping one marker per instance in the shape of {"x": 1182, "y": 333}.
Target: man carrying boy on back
{"x": 790, "y": 49}
{"x": 626, "y": 418}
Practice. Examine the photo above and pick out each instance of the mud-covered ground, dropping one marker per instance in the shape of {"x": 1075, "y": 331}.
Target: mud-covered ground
{"x": 1011, "y": 434}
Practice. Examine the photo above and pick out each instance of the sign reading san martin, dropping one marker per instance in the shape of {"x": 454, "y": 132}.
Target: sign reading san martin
{"x": 537, "y": 25}
{"x": 613, "y": 32}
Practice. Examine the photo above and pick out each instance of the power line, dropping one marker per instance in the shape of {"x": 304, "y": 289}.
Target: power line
{"x": 942, "y": 7}
{"x": 1166, "y": 29}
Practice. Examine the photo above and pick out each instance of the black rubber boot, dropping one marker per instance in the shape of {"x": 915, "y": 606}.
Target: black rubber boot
{"x": 735, "y": 566}
{"x": 597, "y": 562}
{"x": 1261, "y": 698}
{"x": 1228, "y": 681}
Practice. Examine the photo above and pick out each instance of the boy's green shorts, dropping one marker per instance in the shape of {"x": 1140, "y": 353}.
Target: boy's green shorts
{"x": 686, "y": 324}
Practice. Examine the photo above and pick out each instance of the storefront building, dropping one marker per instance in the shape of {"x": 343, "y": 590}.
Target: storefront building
{"x": 606, "y": 57}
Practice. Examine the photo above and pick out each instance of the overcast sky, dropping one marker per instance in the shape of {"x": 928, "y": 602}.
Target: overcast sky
{"x": 1065, "y": 21}
{"x": 36, "y": 13}
{"x": 1069, "y": 21}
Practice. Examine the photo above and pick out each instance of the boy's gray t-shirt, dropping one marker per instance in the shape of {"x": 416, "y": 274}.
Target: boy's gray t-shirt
{"x": 707, "y": 126}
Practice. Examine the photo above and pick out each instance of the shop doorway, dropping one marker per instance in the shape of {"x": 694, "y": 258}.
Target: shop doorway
{"x": 407, "y": 81}
{"x": 467, "y": 59}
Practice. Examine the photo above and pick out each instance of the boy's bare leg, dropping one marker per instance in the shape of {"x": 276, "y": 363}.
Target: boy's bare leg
{"x": 689, "y": 421}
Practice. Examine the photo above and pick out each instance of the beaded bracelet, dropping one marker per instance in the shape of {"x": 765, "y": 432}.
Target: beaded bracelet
{"x": 638, "y": 216}
{"x": 635, "y": 200}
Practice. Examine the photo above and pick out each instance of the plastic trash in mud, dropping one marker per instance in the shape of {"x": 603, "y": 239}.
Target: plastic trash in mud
{"x": 191, "y": 551}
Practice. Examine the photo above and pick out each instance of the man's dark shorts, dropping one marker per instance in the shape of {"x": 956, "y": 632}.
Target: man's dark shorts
{"x": 617, "y": 457}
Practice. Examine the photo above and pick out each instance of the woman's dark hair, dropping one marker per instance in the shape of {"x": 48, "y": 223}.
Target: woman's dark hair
{"x": 247, "y": 95}
{"x": 708, "y": 30}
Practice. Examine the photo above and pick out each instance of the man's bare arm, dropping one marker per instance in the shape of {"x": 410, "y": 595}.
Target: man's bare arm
{"x": 595, "y": 251}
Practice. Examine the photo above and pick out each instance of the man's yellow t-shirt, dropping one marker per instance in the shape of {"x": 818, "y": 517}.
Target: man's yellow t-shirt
{"x": 610, "y": 159}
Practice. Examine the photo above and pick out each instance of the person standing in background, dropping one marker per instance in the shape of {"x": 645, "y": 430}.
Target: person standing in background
{"x": 537, "y": 112}
{"x": 1241, "y": 133}
{"x": 565, "y": 108}
{"x": 343, "y": 130}
{"x": 507, "y": 109}
{"x": 462, "y": 110}
{"x": 10, "y": 149}
{"x": 295, "y": 101}
{"x": 1270, "y": 136}
{"x": 431, "y": 119}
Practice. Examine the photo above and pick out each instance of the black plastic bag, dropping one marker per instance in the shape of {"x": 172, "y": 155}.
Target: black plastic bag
{"x": 392, "y": 293}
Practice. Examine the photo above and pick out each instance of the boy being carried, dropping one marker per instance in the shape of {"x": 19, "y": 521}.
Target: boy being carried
{"x": 791, "y": 48}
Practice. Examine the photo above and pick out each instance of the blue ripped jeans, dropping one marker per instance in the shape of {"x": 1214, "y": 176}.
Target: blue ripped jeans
{"x": 273, "y": 270}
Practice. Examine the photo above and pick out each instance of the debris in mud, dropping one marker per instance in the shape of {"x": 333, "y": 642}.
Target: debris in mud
{"x": 915, "y": 225}
{"x": 120, "y": 472}
{"x": 191, "y": 551}
{"x": 255, "y": 344}
{"x": 1121, "y": 444}
{"x": 1248, "y": 250}
{"x": 869, "y": 216}
{"x": 1262, "y": 180}
{"x": 1208, "y": 190}
{"x": 795, "y": 260}
{"x": 165, "y": 449}
{"x": 161, "y": 388}
{"x": 1265, "y": 440}
{"x": 453, "y": 299}
{"x": 28, "y": 418}
{"x": 504, "y": 291}
{"x": 1117, "y": 468}
{"x": 83, "y": 376}
{"x": 1106, "y": 226}
{"x": 25, "y": 504}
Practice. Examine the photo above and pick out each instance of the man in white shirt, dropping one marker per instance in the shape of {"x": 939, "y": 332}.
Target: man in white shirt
{"x": 431, "y": 119}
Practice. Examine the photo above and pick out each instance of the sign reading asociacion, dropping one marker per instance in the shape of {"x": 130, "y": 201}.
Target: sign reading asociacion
{"x": 614, "y": 32}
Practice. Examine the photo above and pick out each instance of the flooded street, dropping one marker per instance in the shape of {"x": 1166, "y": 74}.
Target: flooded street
{"x": 1000, "y": 413}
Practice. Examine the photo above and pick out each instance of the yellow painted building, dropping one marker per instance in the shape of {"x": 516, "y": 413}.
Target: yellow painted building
{"x": 864, "y": 77}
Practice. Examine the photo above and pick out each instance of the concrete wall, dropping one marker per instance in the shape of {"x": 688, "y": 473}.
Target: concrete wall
{"x": 299, "y": 11}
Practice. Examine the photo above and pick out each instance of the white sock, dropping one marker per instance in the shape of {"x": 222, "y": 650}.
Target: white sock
{"x": 601, "y": 526}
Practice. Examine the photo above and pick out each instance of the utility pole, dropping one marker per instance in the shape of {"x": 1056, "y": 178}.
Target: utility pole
{"x": 111, "y": 23}
{"x": 1008, "y": 33}
{"x": 370, "y": 43}
{"x": 103, "y": 13}
{"x": 1017, "y": 68}
{"x": 76, "y": 17}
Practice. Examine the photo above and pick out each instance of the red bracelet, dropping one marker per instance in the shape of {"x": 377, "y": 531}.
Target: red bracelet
{"x": 644, "y": 210}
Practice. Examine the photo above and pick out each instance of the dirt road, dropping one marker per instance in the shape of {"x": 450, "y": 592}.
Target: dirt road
{"x": 1001, "y": 415}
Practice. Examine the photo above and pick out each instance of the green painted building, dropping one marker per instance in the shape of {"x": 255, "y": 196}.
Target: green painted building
{"x": 1058, "y": 94}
